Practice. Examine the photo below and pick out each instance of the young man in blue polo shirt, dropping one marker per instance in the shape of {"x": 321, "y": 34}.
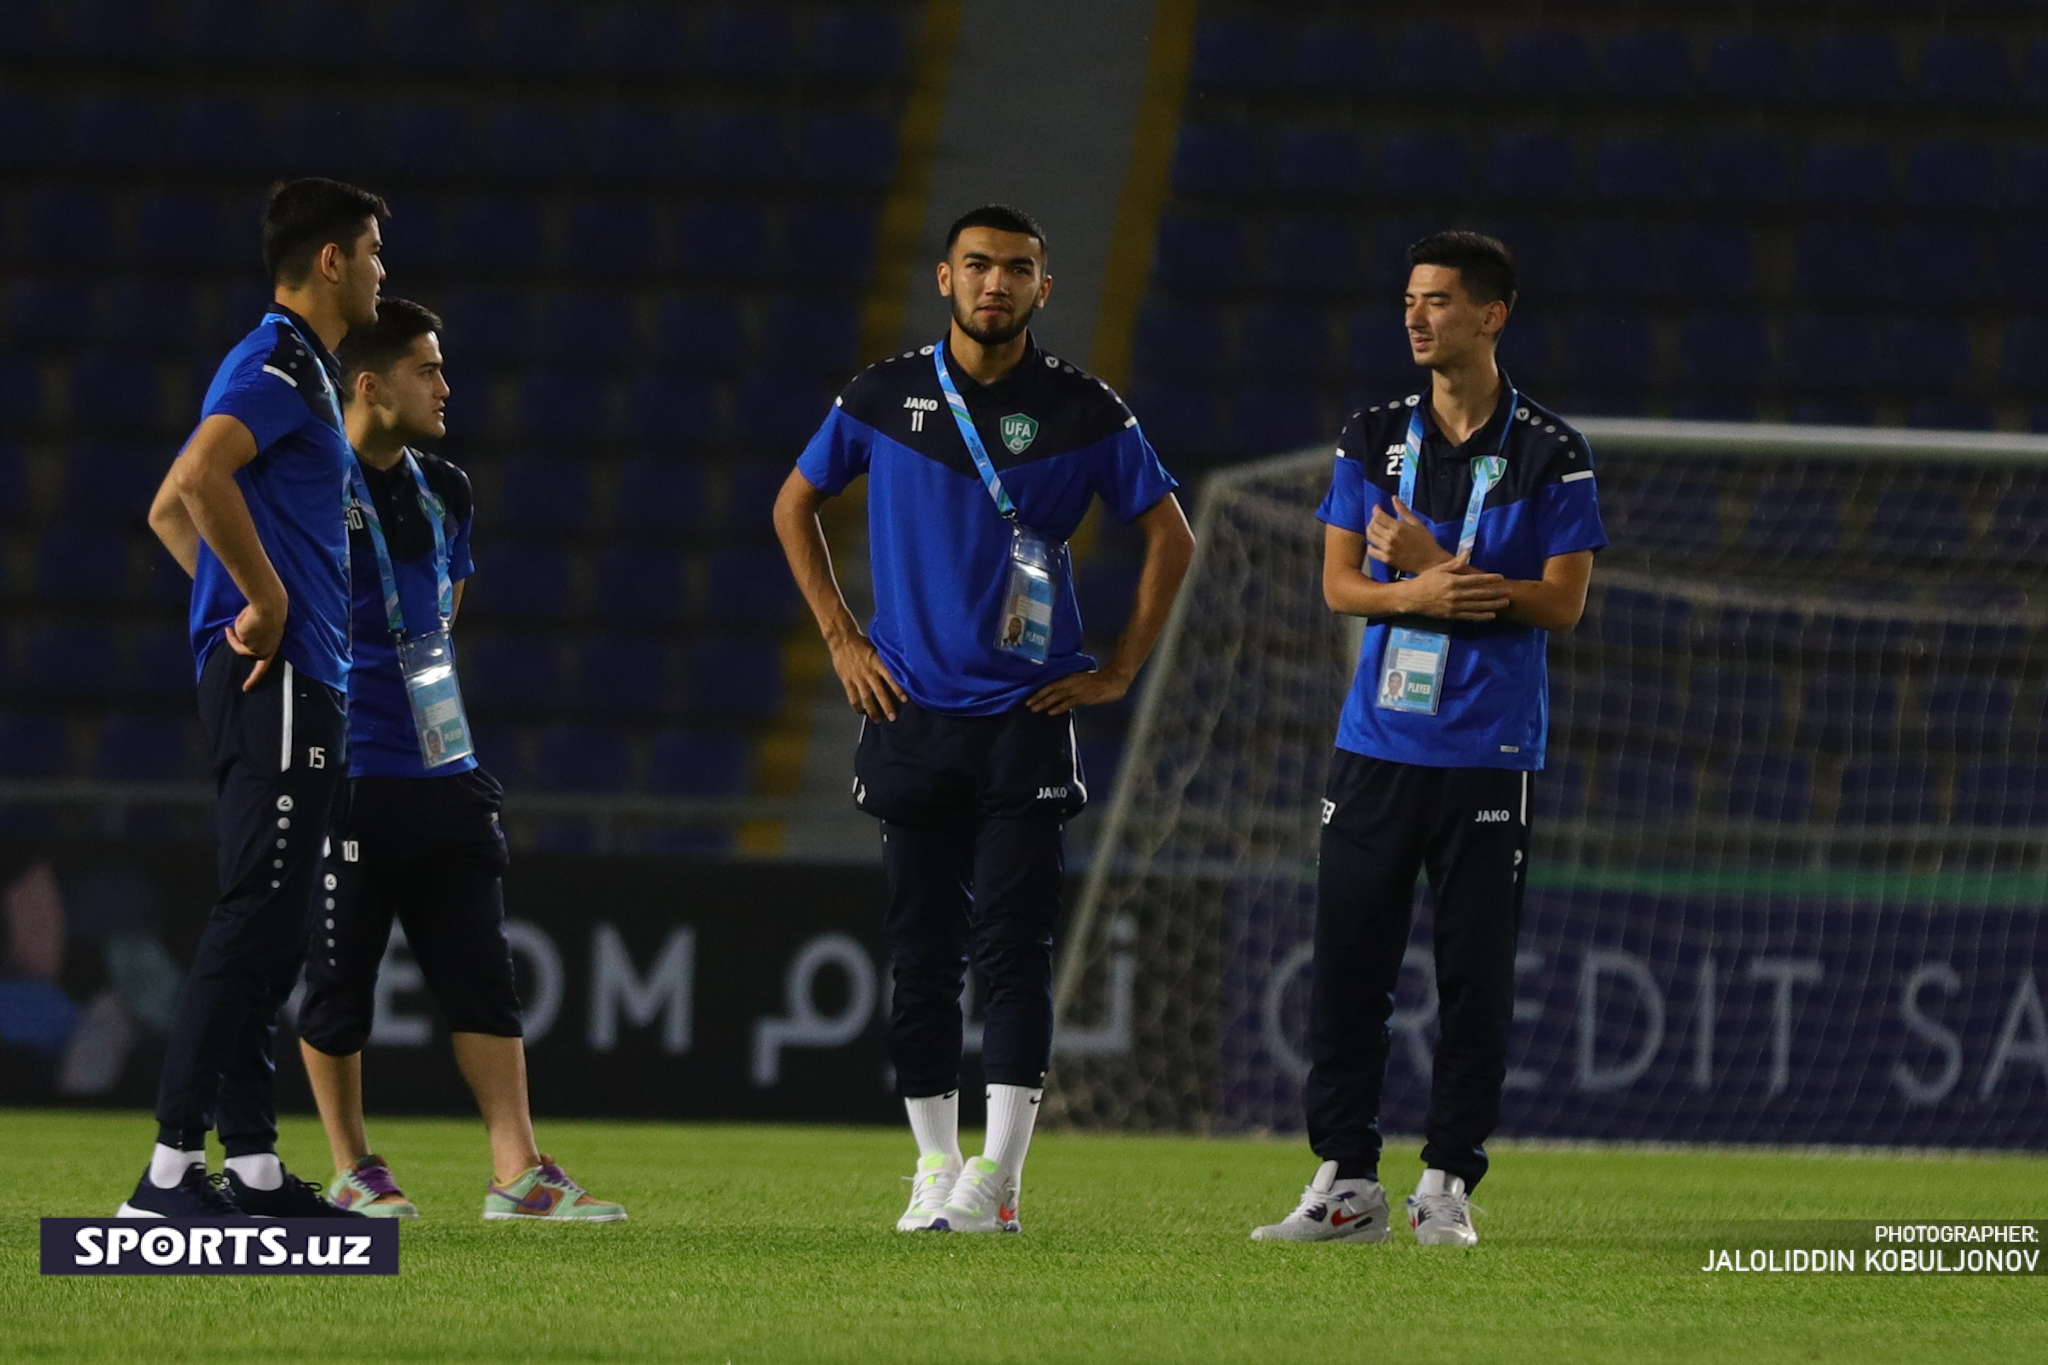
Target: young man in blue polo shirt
{"x": 1461, "y": 523}
{"x": 419, "y": 839}
{"x": 982, "y": 454}
{"x": 252, "y": 508}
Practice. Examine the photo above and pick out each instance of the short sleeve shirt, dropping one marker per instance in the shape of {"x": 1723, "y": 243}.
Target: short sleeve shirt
{"x": 1494, "y": 706}
{"x": 381, "y": 738}
{"x": 280, "y": 383}
{"x": 939, "y": 550}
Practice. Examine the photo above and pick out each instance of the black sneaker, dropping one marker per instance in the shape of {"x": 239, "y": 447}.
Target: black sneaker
{"x": 295, "y": 1198}
{"x": 197, "y": 1195}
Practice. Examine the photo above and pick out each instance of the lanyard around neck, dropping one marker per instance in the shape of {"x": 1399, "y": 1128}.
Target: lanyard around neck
{"x": 989, "y": 478}
{"x": 1486, "y": 470}
{"x": 430, "y": 508}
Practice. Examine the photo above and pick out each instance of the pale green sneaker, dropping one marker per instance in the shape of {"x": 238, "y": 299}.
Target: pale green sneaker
{"x": 369, "y": 1180}
{"x": 983, "y": 1199}
{"x": 545, "y": 1192}
{"x": 928, "y": 1190}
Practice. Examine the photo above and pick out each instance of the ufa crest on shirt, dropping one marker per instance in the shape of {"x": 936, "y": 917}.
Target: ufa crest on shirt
{"x": 1018, "y": 432}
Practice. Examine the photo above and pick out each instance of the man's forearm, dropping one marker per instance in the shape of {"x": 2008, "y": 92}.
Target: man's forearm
{"x": 1356, "y": 594}
{"x": 214, "y": 504}
{"x": 172, "y": 524}
{"x": 1166, "y": 564}
{"x": 810, "y": 563}
{"x": 1533, "y": 602}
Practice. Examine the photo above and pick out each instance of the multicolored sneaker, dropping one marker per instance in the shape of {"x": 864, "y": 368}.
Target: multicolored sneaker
{"x": 1440, "y": 1211}
{"x": 293, "y": 1198}
{"x": 984, "y": 1199}
{"x": 1332, "y": 1210}
{"x": 545, "y": 1192}
{"x": 367, "y": 1187}
{"x": 929, "y": 1189}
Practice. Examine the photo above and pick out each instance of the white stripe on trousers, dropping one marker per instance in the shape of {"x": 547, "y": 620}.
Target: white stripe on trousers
{"x": 284, "y": 756}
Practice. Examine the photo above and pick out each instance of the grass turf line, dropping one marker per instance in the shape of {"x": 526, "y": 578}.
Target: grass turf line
{"x": 775, "y": 1244}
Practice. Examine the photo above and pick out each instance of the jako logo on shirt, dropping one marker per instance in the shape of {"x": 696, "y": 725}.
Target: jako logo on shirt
{"x": 1493, "y": 817}
{"x": 1052, "y": 793}
{"x": 1019, "y": 432}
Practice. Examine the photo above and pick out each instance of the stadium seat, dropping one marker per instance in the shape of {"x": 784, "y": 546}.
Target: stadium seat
{"x": 539, "y": 37}
{"x": 2003, "y": 793}
{"x": 1724, "y": 348}
{"x": 704, "y": 335}
{"x": 489, "y": 326}
{"x": 1271, "y": 419}
{"x": 112, "y": 485}
{"x": 1180, "y": 339}
{"x": 528, "y": 139}
{"x": 2018, "y": 530}
{"x": 750, "y": 491}
{"x": 518, "y": 672}
{"x": 1560, "y": 794}
{"x": 1326, "y": 162}
{"x": 1886, "y": 792}
{"x": 1379, "y": 353}
{"x": 609, "y": 236}
{"x": 1618, "y": 260}
{"x": 119, "y": 131}
{"x": 1741, "y": 170}
{"x": 1649, "y": 64}
{"x": 1180, "y": 417}
{"x": 526, "y": 579}
{"x": 740, "y": 148}
{"x": 44, "y": 312}
{"x": 2027, "y": 175}
{"x": 508, "y": 234}
{"x": 563, "y": 405}
{"x": 779, "y": 411}
{"x": 1438, "y": 59}
{"x": 34, "y": 746}
{"x": 1850, "y": 174}
{"x": 1734, "y": 704}
{"x": 1918, "y": 354}
{"x": 67, "y": 225}
{"x": 1204, "y": 250}
{"x": 149, "y": 314}
{"x": 723, "y": 240}
{"x": 1654, "y": 782}
{"x": 1638, "y": 170}
{"x": 1967, "y": 70}
{"x": 641, "y": 40}
{"x": 635, "y": 142}
{"x": 863, "y": 44}
{"x": 117, "y": 393}
{"x": 854, "y": 150}
{"x": 543, "y": 494}
{"x": 1213, "y": 159}
{"x": 1848, "y": 264}
{"x": 435, "y": 34}
{"x": 431, "y": 138}
{"x": 1425, "y": 164}
{"x": 2025, "y": 352}
{"x": 583, "y": 758}
{"x": 641, "y": 583}
{"x": 162, "y": 665}
{"x": 849, "y": 228}
{"x": 1610, "y": 350}
{"x": 70, "y": 662}
{"x": 1967, "y": 716}
{"x": 1768, "y": 786}
{"x": 830, "y": 328}
{"x": 1524, "y": 349}
{"x": 1646, "y": 621}
{"x": 588, "y": 329}
{"x": 1795, "y": 521}
{"x": 659, "y": 497}
{"x": 221, "y": 135}
{"x": 625, "y": 675}
{"x": 25, "y": 131}
{"x": 697, "y": 763}
{"x": 1387, "y": 269}
{"x": 1830, "y": 351}
{"x": 1848, "y": 711}
{"x": 1856, "y": 68}
{"x": 1953, "y": 173}
{"x": 1284, "y": 342}
{"x": 672, "y": 412}
{"x": 1751, "y": 66}
{"x": 1949, "y": 414}
{"x": 1916, "y": 523}
{"x": 1710, "y": 262}
{"x": 1629, "y": 702}
{"x": 749, "y": 584}
{"x": 748, "y": 41}
{"x": 1939, "y": 262}
{"x": 145, "y": 749}
{"x": 1531, "y": 166}
{"x": 1307, "y": 253}
{"x": 14, "y": 503}
{"x": 1236, "y": 55}
{"x": 736, "y": 677}
{"x": 1336, "y": 59}
{"x": 1546, "y": 62}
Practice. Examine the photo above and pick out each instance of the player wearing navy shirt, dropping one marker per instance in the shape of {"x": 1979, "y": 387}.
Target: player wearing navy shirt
{"x": 418, "y": 842}
{"x": 982, "y": 454}
{"x": 1461, "y": 523}
{"x": 252, "y": 509}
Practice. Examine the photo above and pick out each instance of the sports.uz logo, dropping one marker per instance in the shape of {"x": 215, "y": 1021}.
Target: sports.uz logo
{"x": 220, "y": 1246}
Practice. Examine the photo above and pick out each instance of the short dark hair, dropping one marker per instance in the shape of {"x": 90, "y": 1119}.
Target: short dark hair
{"x": 1484, "y": 264}
{"x": 376, "y": 348}
{"x": 1002, "y": 218}
{"x": 303, "y": 216}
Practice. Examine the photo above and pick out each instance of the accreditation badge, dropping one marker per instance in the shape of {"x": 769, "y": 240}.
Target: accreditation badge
{"x": 427, "y": 664}
{"x": 1412, "y": 670}
{"x": 1025, "y": 628}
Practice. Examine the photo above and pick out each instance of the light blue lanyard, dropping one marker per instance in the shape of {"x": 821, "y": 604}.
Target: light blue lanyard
{"x": 430, "y": 507}
{"x": 1486, "y": 470}
{"x": 972, "y": 437}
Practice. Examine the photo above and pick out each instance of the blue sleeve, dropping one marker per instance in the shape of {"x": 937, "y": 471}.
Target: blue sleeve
{"x": 264, "y": 402}
{"x": 1349, "y": 503}
{"x": 1568, "y": 511}
{"x": 838, "y": 454}
{"x": 1131, "y": 479}
{"x": 460, "y": 565}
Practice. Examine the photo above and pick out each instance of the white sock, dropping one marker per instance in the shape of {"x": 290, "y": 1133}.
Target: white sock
{"x": 1435, "y": 1181}
{"x": 263, "y": 1171}
{"x": 935, "y": 1123}
{"x": 167, "y": 1165}
{"x": 1012, "y": 1113}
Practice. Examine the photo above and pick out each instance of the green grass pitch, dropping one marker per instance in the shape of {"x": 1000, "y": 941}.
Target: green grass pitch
{"x": 775, "y": 1244}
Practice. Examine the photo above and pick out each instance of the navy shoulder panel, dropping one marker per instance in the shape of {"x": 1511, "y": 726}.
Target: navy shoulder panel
{"x": 291, "y": 361}
{"x": 449, "y": 483}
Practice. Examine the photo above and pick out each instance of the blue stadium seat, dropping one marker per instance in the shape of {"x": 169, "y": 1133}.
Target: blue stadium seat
{"x": 116, "y": 393}
{"x": 659, "y": 497}
{"x": 588, "y": 329}
{"x": 697, "y": 763}
{"x": 1533, "y": 166}
{"x": 1218, "y": 160}
{"x": 1939, "y": 262}
{"x": 112, "y": 485}
{"x": 1970, "y": 715}
{"x": 740, "y": 148}
{"x": 563, "y": 405}
{"x": 625, "y": 675}
{"x": 1235, "y": 55}
{"x": 34, "y": 746}
{"x": 864, "y": 44}
{"x": 2027, "y": 175}
{"x": 1949, "y": 414}
{"x": 641, "y": 583}
{"x": 1741, "y": 170}
{"x": 1709, "y": 261}
{"x": 1856, "y": 68}
{"x": 143, "y": 314}
{"x": 1336, "y": 59}
{"x": 1307, "y": 253}
{"x": 749, "y": 41}
{"x": 1847, "y": 173}
{"x": 1918, "y": 354}
{"x": 635, "y": 142}
{"x": 221, "y": 135}
{"x": 433, "y": 33}
{"x": 519, "y": 672}
{"x": 1796, "y": 521}
{"x": 1652, "y": 782}
{"x": 723, "y": 240}
{"x": 25, "y": 131}
{"x": 1201, "y": 249}
{"x": 609, "y": 236}
{"x": 1645, "y": 620}
{"x": 1425, "y": 164}
{"x": 527, "y": 139}
{"x": 1849, "y": 264}
{"x": 850, "y": 229}
{"x": 544, "y": 494}
{"x": 118, "y": 30}
{"x": 1548, "y": 62}
{"x": 1634, "y": 703}
{"x": 1848, "y": 711}
{"x": 1181, "y": 417}
{"x": 124, "y": 131}
{"x": 848, "y": 149}
{"x": 1180, "y": 339}
{"x": 2018, "y": 530}
{"x": 1953, "y": 173}
{"x": 2025, "y": 353}
{"x": 1638, "y": 170}
{"x": 1831, "y": 351}
{"x": 640, "y": 39}
{"x": 70, "y": 661}
{"x": 1524, "y": 349}
{"x": 583, "y": 758}
{"x": 432, "y": 138}
{"x": 539, "y": 37}
{"x": 702, "y": 334}
{"x": 489, "y": 326}
{"x": 738, "y": 677}
{"x": 527, "y": 579}
{"x": 1613, "y": 351}
{"x": 669, "y": 412}
{"x": 1619, "y": 260}
{"x": 831, "y": 332}
{"x": 1886, "y": 792}
{"x": 508, "y": 233}
{"x": 21, "y": 392}
{"x": 750, "y": 491}
{"x": 1969, "y": 70}
{"x": 2009, "y": 794}
{"x": 1438, "y": 59}
{"x": 1379, "y": 353}
{"x": 28, "y": 33}
{"x": 1561, "y": 792}
{"x": 162, "y": 664}
{"x": 1649, "y": 64}
{"x": 779, "y": 411}
{"x": 1326, "y": 162}
{"x": 14, "y": 503}
{"x": 1270, "y": 419}
{"x": 1768, "y": 786}
{"x": 318, "y": 133}
{"x": 145, "y": 749}
{"x": 1751, "y": 66}
{"x": 186, "y": 230}
{"x": 67, "y": 225}
{"x": 46, "y": 312}
{"x": 749, "y": 584}
{"x": 1724, "y": 348}
{"x": 1913, "y": 522}
{"x": 1388, "y": 268}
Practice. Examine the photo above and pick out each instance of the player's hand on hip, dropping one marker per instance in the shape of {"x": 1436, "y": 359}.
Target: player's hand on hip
{"x": 256, "y": 633}
{"x": 1098, "y": 687}
{"x": 1400, "y": 540}
{"x": 870, "y": 688}
{"x": 1456, "y": 591}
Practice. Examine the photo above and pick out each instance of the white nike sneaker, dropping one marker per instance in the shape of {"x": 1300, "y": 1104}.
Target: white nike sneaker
{"x": 1332, "y": 1210}
{"x": 928, "y": 1190}
{"x": 984, "y": 1199}
{"x": 1440, "y": 1212}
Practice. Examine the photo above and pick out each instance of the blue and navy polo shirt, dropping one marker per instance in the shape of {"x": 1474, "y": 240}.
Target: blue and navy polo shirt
{"x": 281, "y": 383}
{"x": 1495, "y": 705}
{"x": 381, "y": 739}
{"x": 939, "y": 550}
